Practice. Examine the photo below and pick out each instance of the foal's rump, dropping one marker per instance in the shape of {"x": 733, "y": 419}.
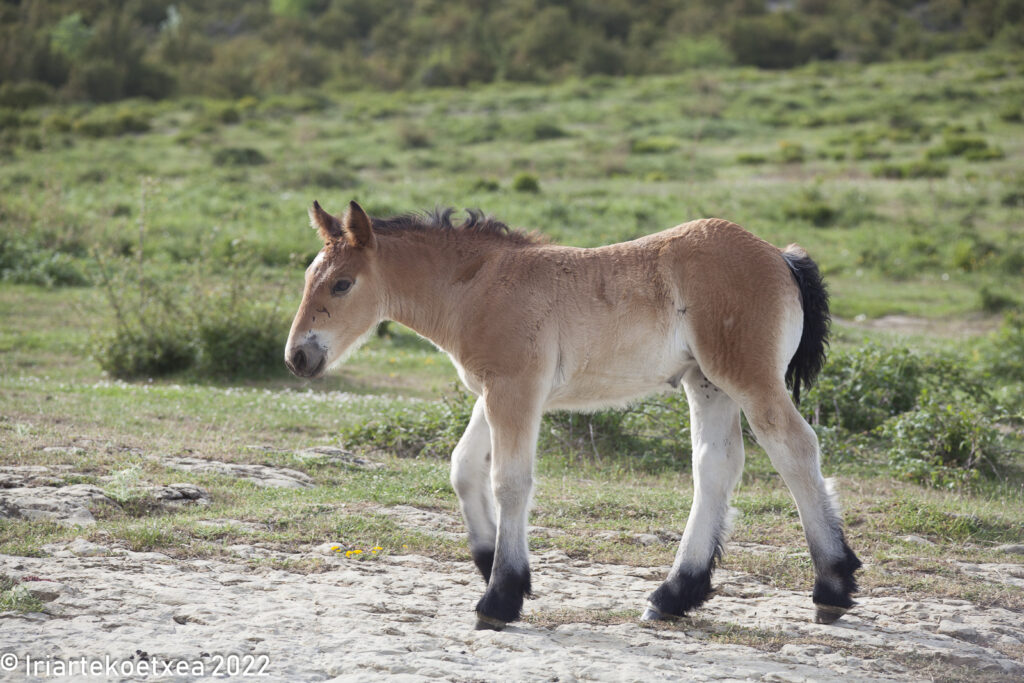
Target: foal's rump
{"x": 741, "y": 305}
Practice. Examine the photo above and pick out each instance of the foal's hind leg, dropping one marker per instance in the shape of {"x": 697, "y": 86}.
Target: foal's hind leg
{"x": 792, "y": 447}
{"x": 471, "y": 479}
{"x": 717, "y": 465}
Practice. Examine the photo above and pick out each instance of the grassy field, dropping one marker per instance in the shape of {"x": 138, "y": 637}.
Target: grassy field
{"x": 903, "y": 180}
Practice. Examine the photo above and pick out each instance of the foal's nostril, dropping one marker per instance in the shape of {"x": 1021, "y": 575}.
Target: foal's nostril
{"x": 299, "y": 360}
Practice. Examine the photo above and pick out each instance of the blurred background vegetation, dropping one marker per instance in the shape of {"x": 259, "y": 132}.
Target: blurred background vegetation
{"x": 102, "y": 51}
{"x": 157, "y": 160}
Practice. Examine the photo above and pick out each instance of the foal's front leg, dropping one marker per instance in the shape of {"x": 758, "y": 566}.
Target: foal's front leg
{"x": 471, "y": 479}
{"x": 515, "y": 421}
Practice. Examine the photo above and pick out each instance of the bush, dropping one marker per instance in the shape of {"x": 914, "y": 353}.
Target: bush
{"x": 808, "y": 205}
{"x": 941, "y": 444}
{"x": 1003, "y": 355}
{"x": 414, "y": 137}
{"x": 428, "y": 430}
{"x": 654, "y": 145}
{"x": 858, "y": 390}
{"x": 526, "y": 182}
{"x": 972, "y": 149}
{"x": 751, "y": 159}
{"x": 25, "y": 94}
{"x": 791, "y": 152}
{"x": 166, "y": 325}
{"x": 238, "y": 156}
{"x": 103, "y": 123}
{"x": 995, "y": 302}
{"x": 545, "y": 130}
{"x": 911, "y": 169}
{"x": 30, "y": 264}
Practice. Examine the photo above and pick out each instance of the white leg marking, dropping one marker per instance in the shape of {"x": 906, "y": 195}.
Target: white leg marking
{"x": 717, "y": 466}
{"x": 471, "y": 479}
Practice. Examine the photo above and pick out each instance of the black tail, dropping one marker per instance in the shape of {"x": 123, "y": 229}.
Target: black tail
{"x": 810, "y": 355}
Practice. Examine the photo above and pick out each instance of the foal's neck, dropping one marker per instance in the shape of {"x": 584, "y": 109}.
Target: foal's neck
{"x": 420, "y": 273}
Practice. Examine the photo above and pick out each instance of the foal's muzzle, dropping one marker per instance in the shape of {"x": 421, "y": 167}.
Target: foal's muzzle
{"x": 307, "y": 360}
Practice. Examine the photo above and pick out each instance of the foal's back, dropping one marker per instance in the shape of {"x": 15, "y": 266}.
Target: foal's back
{"x": 617, "y": 322}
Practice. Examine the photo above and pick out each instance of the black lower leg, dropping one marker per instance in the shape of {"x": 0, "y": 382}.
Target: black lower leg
{"x": 503, "y": 600}
{"x": 835, "y": 585}
{"x": 682, "y": 592}
{"x": 484, "y": 560}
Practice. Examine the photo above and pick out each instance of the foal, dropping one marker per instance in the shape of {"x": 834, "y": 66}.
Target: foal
{"x": 533, "y": 327}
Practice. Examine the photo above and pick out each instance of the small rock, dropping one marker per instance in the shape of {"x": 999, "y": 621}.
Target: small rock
{"x": 45, "y": 591}
{"x": 178, "y": 495}
{"x": 261, "y": 475}
{"x": 959, "y": 631}
{"x": 919, "y": 540}
{"x": 64, "y": 450}
{"x": 1011, "y": 549}
{"x": 335, "y": 456}
{"x": 66, "y": 505}
{"x": 647, "y": 539}
{"x": 83, "y": 548}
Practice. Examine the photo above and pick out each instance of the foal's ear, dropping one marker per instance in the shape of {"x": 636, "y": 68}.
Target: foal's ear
{"x": 358, "y": 227}
{"x": 327, "y": 225}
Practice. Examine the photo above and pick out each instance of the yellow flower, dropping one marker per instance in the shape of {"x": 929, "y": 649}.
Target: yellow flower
{"x": 336, "y": 548}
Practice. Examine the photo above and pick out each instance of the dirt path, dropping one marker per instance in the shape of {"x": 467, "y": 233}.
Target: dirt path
{"x": 410, "y": 618}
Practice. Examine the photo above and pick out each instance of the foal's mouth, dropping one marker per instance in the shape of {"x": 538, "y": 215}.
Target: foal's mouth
{"x": 308, "y": 362}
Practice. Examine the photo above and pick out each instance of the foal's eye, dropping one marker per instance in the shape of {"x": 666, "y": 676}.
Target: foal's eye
{"x": 341, "y": 286}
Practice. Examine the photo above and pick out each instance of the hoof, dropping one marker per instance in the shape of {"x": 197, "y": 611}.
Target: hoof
{"x": 485, "y": 623}
{"x": 652, "y": 613}
{"x": 828, "y": 614}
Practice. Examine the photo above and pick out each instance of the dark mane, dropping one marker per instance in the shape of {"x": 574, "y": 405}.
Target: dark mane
{"x": 441, "y": 219}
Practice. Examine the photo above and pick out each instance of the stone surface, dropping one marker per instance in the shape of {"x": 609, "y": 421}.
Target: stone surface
{"x": 177, "y": 495}
{"x": 336, "y": 456}
{"x": 66, "y": 505}
{"x": 410, "y": 618}
{"x": 1011, "y": 549}
{"x": 261, "y": 475}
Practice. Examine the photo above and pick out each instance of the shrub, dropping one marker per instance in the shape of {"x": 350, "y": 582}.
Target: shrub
{"x": 808, "y": 205}
{"x": 428, "y": 430}
{"x": 233, "y": 339}
{"x": 167, "y": 325}
{"x": 972, "y": 149}
{"x": 941, "y": 444}
{"x": 103, "y": 123}
{"x": 414, "y": 137}
{"x": 1011, "y": 113}
{"x": 526, "y": 182}
{"x": 1003, "y": 355}
{"x": 545, "y": 130}
{"x": 751, "y": 159}
{"x": 995, "y": 302}
{"x": 911, "y": 169}
{"x": 654, "y": 145}
{"x": 791, "y": 152}
{"x": 238, "y": 156}
{"x": 25, "y": 94}
{"x": 25, "y": 263}
{"x": 859, "y": 389}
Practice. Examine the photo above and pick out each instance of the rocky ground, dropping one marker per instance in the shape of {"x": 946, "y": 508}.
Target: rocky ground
{"x": 410, "y": 617}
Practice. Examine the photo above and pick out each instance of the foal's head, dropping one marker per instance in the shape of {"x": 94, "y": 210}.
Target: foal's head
{"x": 341, "y": 303}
